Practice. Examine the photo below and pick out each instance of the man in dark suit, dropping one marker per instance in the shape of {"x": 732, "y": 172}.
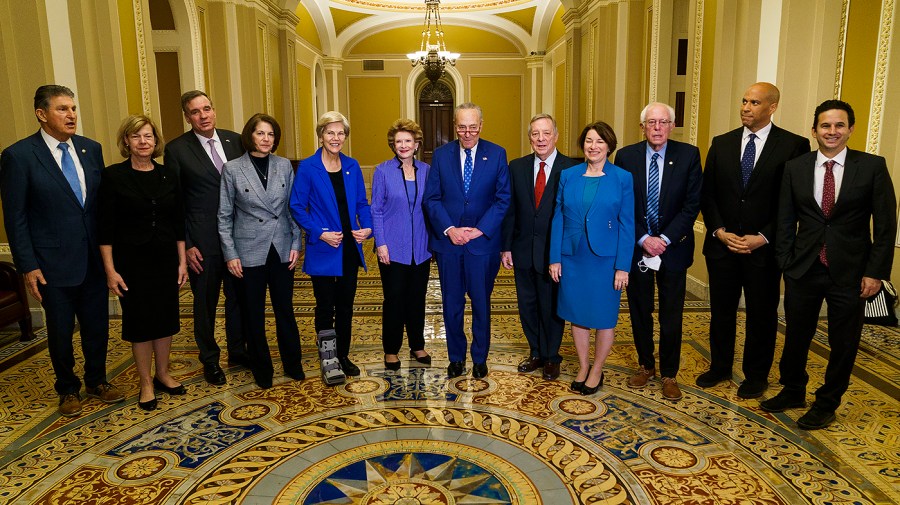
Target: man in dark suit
{"x": 198, "y": 156}
{"x": 49, "y": 184}
{"x": 526, "y": 236}
{"x": 742, "y": 176}
{"x": 466, "y": 198}
{"x": 829, "y": 251}
{"x": 667, "y": 179}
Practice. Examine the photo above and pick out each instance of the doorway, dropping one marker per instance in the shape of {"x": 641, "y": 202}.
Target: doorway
{"x": 435, "y": 117}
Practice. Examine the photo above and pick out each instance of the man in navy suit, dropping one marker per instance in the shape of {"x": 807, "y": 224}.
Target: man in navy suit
{"x": 466, "y": 198}
{"x": 830, "y": 251}
{"x": 198, "y": 156}
{"x": 526, "y": 237}
{"x": 667, "y": 180}
{"x": 49, "y": 184}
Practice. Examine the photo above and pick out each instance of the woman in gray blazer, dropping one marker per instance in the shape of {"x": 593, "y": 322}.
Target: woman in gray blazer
{"x": 261, "y": 245}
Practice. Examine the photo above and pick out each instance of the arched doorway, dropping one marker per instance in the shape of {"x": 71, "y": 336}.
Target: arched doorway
{"x": 435, "y": 116}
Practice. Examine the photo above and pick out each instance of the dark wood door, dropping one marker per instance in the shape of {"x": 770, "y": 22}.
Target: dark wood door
{"x": 436, "y": 120}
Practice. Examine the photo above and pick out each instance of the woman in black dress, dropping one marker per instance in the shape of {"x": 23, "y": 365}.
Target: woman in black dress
{"x": 142, "y": 245}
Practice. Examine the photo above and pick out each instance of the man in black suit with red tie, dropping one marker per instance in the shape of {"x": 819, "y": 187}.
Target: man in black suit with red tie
{"x": 829, "y": 251}
{"x": 667, "y": 178}
{"x": 198, "y": 156}
{"x": 740, "y": 183}
{"x": 526, "y": 235}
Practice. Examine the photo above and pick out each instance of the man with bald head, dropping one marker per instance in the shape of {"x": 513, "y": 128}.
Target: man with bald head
{"x": 667, "y": 178}
{"x": 743, "y": 175}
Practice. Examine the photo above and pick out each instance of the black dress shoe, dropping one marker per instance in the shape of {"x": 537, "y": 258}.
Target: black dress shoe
{"x": 455, "y": 369}
{"x": 551, "y": 371}
{"x": 392, "y": 365}
{"x": 425, "y": 360}
{"x": 531, "y": 364}
{"x": 264, "y": 384}
{"x": 479, "y": 370}
{"x": 587, "y": 390}
{"x": 173, "y": 390}
{"x": 298, "y": 375}
{"x": 214, "y": 374}
{"x": 782, "y": 401}
{"x": 711, "y": 378}
{"x": 239, "y": 360}
{"x": 752, "y": 388}
{"x": 350, "y": 370}
{"x": 148, "y": 405}
{"x": 816, "y": 418}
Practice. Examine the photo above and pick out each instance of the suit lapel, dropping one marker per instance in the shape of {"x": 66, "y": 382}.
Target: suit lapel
{"x": 640, "y": 174}
{"x": 205, "y": 161}
{"x": 668, "y": 174}
{"x": 232, "y": 151}
{"x": 52, "y": 168}
{"x": 851, "y": 171}
{"x": 248, "y": 171}
{"x": 769, "y": 147}
{"x": 91, "y": 173}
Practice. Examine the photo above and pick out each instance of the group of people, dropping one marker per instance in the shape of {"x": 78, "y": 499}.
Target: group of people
{"x": 226, "y": 214}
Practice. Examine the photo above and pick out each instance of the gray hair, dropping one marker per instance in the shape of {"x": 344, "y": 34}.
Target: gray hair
{"x": 654, "y": 104}
{"x": 468, "y": 106}
{"x": 538, "y": 117}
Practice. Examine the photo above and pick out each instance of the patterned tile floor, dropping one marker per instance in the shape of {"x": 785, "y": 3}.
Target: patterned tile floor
{"x": 412, "y": 436}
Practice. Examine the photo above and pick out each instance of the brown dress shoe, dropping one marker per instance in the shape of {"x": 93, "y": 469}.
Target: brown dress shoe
{"x": 640, "y": 379}
{"x": 105, "y": 392}
{"x": 69, "y": 405}
{"x": 551, "y": 371}
{"x": 670, "y": 389}
{"x": 530, "y": 365}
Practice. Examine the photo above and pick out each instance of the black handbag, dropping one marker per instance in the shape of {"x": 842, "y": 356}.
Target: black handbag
{"x": 880, "y": 308}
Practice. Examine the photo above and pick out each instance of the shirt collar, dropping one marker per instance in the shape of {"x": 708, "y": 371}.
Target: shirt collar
{"x": 53, "y": 144}
{"x": 204, "y": 140}
{"x": 661, "y": 152}
{"x": 549, "y": 161}
{"x": 762, "y": 134}
{"x": 840, "y": 158}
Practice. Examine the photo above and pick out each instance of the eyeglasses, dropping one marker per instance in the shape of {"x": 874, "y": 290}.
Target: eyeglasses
{"x": 331, "y": 134}
{"x": 661, "y": 122}
{"x": 467, "y": 129}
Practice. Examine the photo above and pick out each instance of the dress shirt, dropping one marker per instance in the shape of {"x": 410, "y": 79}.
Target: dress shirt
{"x": 53, "y": 144}
{"x": 547, "y": 167}
{"x": 204, "y": 141}
{"x": 660, "y": 163}
{"x": 760, "y": 141}
{"x": 819, "y": 174}
{"x": 462, "y": 159}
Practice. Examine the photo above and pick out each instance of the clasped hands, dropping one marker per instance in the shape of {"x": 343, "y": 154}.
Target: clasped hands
{"x": 462, "y": 235}
{"x": 334, "y": 238}
{"x": 740, "y": 244}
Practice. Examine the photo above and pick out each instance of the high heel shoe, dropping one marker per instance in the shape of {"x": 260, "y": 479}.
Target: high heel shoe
{"x": 425, "y": 360}
{"x": 392, "y": 365}
{"x": 148, "y": 405}
{"x": 587, "y": 390}
{"x": 577, "y": 386}
{"x": 172, "y": 390}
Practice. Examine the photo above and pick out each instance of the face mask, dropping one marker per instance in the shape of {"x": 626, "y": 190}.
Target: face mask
{"x": 649, "y": 263}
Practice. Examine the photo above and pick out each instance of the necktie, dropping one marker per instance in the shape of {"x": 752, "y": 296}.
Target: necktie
{"x": 827, "y": 201}
{"x": 216, "y": 159}
{"x": 539, "y": 184}
{"x": 68, "y": 168}
{"x": 467, "y": 171}
{"x": 653, "y": 196}
{"x": 748, "y": 159}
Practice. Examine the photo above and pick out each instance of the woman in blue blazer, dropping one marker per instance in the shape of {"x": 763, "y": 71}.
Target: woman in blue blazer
{"x": 591, "y": 242}
{"x": 328, "y": 200}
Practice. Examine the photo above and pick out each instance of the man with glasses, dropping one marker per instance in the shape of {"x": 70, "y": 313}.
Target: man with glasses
{"x": 667, "y": 179}
{"x": 466, "y": 198}
{"x": 740, "y": 203}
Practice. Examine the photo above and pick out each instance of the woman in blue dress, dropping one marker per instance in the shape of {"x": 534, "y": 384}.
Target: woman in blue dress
{"x": 591, "y": 243}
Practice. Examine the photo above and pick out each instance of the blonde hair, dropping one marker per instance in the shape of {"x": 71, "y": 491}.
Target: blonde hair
{"x": 404, "y": 125}
{"x": 130, "y": 126}
{"x": 332, "y": 117}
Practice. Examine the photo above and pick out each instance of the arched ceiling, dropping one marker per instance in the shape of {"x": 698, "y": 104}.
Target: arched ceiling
{"x": 337, "y": 26}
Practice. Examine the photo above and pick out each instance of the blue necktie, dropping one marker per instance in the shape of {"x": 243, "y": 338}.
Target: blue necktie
{"x": 653, "y": 196}
{"x": 68, "y": 168}
{"x": 467, "y": 171}
{"x": 748, "y": 159}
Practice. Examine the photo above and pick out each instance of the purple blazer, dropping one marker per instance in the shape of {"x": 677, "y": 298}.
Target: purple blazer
{"x": 393, "y": 224}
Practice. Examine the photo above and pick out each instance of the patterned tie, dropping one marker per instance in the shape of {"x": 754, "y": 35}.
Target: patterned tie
{"x": 827, "y": 201}
{"x": 653, "y": 196}
{"x": 216, "y": 159}
{"x": 467, "y": 171}
{"x": 748, "y": 159}
{"x": 539, "y": 184}
{"x": 68, "y": 168}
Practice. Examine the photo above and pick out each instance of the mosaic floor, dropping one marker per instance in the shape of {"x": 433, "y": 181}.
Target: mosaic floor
{"x": 414, "y": 437}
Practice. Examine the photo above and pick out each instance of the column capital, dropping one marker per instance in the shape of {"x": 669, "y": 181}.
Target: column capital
{"x": 332, "y": 63}
{"x": 535, "y": 60}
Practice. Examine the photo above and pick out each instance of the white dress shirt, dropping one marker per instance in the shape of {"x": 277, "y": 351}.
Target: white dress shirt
{"x": 53, "y": 145}
{"x": 204, "y": 141}
{"x": 819, "y": 174}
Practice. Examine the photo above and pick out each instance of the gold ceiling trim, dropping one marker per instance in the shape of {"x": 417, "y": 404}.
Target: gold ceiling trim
{"x": 419, "y": 6}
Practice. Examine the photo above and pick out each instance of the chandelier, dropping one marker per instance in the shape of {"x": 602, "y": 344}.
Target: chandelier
{"x": 433, "y": 57}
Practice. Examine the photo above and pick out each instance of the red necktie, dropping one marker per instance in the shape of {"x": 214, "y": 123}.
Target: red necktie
{"x": 539, "y": 184}
{"x": 827, "y": 201}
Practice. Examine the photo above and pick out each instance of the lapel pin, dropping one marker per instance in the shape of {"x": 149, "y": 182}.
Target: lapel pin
{"x": 347, "y": 172}
{"x": 83, "y": 151}
{"x": 671, "y": 163}
{"x": 484, "y": 158}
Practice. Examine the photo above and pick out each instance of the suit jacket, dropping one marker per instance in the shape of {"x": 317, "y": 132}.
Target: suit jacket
{"x": 866, "y": 194}
{"x": 393, "y": 224}
{"x": 252, "y": 217}
{"x": 607, "y": 225}
{"x": 187, "y": 157}
{"x": 447, "y": 204}
{"x": 47, "y": 226}
{"x": 315, "y": 207}
{"x": 679, "y": 198}
{"x": 133, "y": 214}
{"x": 526, "y": 229}
{"x": 751, "y": 210}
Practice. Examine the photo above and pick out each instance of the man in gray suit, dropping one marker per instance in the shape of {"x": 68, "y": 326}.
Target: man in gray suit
{"x": 198, "y": 156}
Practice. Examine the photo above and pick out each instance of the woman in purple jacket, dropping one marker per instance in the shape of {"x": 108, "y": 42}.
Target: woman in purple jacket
{"x": 401, "y": 243}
